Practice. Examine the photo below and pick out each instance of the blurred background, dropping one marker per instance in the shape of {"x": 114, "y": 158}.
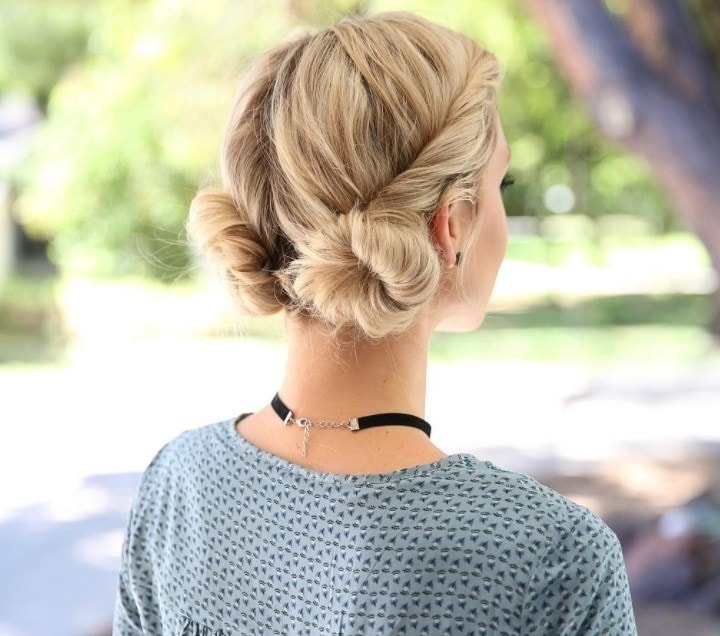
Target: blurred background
{"x": 597, "y": 369}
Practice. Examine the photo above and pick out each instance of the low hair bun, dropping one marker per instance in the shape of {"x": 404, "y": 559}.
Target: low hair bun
{"x": 222, "y": 233}
{"x": 371, "y": 269}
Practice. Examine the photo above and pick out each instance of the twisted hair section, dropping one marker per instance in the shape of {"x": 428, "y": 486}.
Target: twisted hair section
{"x": 223, "y": 232}
{"x": 340, "y": 146}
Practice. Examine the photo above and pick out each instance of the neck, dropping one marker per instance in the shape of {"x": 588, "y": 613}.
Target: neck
{"x": 327, "y": 381}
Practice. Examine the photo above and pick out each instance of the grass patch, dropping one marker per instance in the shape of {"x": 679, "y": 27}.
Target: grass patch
{"x": 667, "y": 328}
{"x": 688, "y": 310}
{"x": 593, "y": 346}
{"x": 557, "y": 251}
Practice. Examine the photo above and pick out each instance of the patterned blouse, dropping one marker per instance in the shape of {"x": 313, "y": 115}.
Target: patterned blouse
{"x": 226, "y": 538}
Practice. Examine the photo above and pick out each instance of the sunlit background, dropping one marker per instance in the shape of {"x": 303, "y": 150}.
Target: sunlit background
{"x": 597, "y": 370}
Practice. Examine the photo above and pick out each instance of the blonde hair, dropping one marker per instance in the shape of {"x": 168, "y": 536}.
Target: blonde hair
{"x": 340, "y": 146}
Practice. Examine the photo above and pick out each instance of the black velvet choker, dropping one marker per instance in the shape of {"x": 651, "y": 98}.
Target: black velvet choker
{"x": 356, "y": 423}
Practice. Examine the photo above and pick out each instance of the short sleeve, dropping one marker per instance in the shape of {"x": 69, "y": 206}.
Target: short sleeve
{"x": 129, "y": 603}
{"x": 126, "y": 617}
{"x": 580, "y": 586}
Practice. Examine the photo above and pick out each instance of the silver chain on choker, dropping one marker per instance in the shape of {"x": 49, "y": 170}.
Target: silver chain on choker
{"x": 305, "y": 423}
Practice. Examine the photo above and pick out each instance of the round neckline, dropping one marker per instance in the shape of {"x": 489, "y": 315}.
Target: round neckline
{"x": 248, "y": 448}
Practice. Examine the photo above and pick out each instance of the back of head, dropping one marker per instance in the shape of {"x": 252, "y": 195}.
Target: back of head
{"x": 340, "y": 146}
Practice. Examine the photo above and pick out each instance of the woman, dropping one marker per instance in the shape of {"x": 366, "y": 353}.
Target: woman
{"x": 362, "y": 171}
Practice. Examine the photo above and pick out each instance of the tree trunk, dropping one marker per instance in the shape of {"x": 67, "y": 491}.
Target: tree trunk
{"x": 648, "y": 84}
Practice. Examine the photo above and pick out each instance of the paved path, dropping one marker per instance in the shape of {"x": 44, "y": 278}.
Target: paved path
{"x": 73, "y": 441}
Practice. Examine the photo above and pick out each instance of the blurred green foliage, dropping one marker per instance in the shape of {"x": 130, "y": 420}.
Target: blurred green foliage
{"x": 138, "y": 93}
{"x": 41, "y": 41}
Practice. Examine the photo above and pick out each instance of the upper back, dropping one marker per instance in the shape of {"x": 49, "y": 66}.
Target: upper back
{"x": 227, "y": 538}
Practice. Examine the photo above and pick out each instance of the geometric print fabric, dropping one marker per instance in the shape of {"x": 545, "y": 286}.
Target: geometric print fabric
{"x": 224, "y": 538}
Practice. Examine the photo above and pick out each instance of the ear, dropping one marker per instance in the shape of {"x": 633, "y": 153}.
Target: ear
{"x": 445, "y": 229}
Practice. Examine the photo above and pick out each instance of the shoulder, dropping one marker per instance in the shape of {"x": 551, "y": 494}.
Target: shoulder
{"x": 575, "y": 578}
{"x": 172, "y": 470}
{"x": 567, "y": 533}
{"x": 507, "y": 516}
{"x": 174, "y": 460}
{"x": 184, "y": 444}
{"x": 567, "y": 526}
{"x": 531, "y": 559}
{"x": 543, "y": 532}
{"x": 514, "y": 501}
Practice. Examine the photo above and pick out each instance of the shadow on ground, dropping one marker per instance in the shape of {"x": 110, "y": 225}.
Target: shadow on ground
{"x": 60, "y": 562}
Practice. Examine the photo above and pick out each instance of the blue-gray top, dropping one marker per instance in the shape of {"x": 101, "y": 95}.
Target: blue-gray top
{"x": 226, "y": 538}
